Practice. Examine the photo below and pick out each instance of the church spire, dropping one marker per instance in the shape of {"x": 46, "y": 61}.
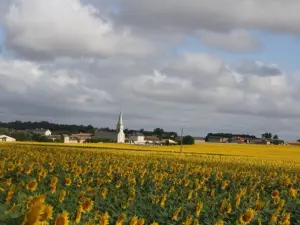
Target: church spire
{"x": 120, "y": 121}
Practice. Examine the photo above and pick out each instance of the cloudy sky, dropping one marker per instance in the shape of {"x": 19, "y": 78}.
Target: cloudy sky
{"x": 214, "y": 66}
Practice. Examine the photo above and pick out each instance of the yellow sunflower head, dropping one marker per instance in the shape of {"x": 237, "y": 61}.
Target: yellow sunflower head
{"x": 62, "y": 219}
{"x": 87, "y": 205}
{"x": 247, "y": 217}
{"x": 48, "y": 212}
{"x": 32, "y": 185}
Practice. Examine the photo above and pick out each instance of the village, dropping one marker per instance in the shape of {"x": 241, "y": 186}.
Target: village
{"x": 135, "y": 137}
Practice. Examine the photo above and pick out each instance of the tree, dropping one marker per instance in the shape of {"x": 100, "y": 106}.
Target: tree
{"x": 275, "y": 137}
{"x": 158, "y": 131}
{"x": 188, "y": 140}
{"x": 267, "y": 135}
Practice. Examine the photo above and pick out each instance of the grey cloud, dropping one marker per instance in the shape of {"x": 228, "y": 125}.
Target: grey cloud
{"x": 234, "y": 41}
{"x": 176, "y": 15}
{"x": 165, "y": 102}
{"x": 259, "y": 69}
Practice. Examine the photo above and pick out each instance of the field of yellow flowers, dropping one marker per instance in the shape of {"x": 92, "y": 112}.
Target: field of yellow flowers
{"x": 66, "y": 185}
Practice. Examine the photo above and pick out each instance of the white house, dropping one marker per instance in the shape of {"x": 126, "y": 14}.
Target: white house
{"x": 137, "y": 138}
{"x": 70, "y": 140}
{"x": 4, "y": 138}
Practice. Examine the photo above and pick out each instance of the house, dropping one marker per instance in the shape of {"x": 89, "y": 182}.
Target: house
{"x": 115, "y": 136}
{"x": 5, "y": 138}
{"x": 70, "y": 140}
{"x": 261, "y": 141}
{"x": 42, "y": 132}
{"x": 136, "y": 137}
{"x": 199, "y": 140}
{"x": 151, "y": 140}
{"x": 217, "y": 139}
{"x": 237, "y": 140}
{"x": 82, "y": 136}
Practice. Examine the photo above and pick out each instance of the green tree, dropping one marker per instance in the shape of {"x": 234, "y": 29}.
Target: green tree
{"x": 188, "y": 140}
{"x": 275, "y": 137}
{"x": 267, "y": 135}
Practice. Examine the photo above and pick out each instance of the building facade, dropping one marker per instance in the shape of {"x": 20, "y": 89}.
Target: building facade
{"x": 5, "y": 138}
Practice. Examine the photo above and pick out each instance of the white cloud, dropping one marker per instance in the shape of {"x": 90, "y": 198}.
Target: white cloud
{"x": 41, "y": 28}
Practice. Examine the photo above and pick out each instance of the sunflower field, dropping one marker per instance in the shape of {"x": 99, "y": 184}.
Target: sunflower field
{"x": 57, "y": 185}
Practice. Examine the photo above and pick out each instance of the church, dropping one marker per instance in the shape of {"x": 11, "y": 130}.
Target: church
{"x": 115, "y": 136}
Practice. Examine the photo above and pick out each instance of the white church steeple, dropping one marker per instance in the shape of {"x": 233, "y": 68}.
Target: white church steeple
{"x": 120, "y": 129}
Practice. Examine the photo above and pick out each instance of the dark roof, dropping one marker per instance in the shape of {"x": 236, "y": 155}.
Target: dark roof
{"x": 151, "y": 138}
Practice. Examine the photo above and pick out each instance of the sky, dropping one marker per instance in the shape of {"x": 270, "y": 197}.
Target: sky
{"x": 210, "y": 66}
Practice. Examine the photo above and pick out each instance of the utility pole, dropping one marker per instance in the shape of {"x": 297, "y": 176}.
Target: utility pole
{"x": 181, "y": 139}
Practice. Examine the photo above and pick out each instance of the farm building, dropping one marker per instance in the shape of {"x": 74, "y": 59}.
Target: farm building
{"x": 136, "y": 138}
{"x": 5, "y": 138}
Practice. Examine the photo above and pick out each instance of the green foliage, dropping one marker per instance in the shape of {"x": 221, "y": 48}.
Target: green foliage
{"x": 277, "y": 142}
{"x": 267, "y": 135}
{"x": 188, "y": 140}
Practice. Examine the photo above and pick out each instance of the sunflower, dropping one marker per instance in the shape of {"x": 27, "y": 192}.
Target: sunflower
{"x": 62, "y": 219}
{"x": 275, "y": 194}
{"x": 68, "y": 181}
{"x": 141, "y": 221}
{"x": 32, "y": 185}
{"x": 104, "y": 193}
{"x": 37, "y": 199}
{"x": 62, "y": 195}
{"x": 196, "y": 222}
{"x": 53, "y": 184}
{"x": 34, "y": 214}
{"x": 87, "y": 205}
{"x": 10, "y": 166}
{"x": 133, "y": 220}
{"x": 78, "y": 214}
{"x": 199, "y": 207}
{"x": 48, "y": 212}
{"x": 273, "y": 219}
{"x": 219, "y": 222}
{"x": 163, "y": 200}
{"x": 247, "y": 217}
{"x": 121, "y": 219}
{"x": 285, "y": 220}
{"x": 176, "y": 213}
{"x": 118, "y": 184}
{"x": 104, "y": 220}
{"x": 259, "y": 205}
{"x": 293, "y": 192}
{"x": 188, "y": 220}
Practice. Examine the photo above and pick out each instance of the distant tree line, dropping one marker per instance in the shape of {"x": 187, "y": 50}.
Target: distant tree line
{"x": 55, "y": 128}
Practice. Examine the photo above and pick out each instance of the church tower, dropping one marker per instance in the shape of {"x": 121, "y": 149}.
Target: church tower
{"x": 120, "y": 130}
